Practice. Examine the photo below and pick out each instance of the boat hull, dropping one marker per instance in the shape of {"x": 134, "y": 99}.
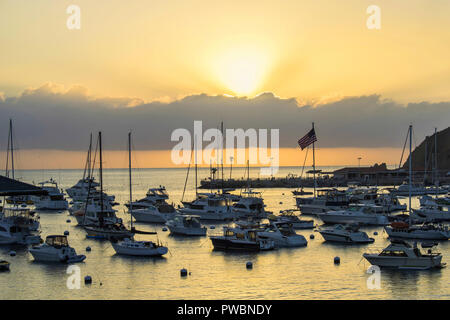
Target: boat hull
{"x": 151, "y": 217}
{"x": 187, "y": 231}
{"x": 143, "y": 252}
{"x": 404, "y": 262}
{"x": 234, "y": 245}
{"x": 343, "y": 238}
{"x": 417, "y": 234}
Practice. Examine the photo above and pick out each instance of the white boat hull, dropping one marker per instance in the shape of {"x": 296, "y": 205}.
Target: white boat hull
{"x": 151, "y": 217}
{"x": 144, "y": 252}
{"x": 330, "y": 218}
{"x": 418, "y": 234}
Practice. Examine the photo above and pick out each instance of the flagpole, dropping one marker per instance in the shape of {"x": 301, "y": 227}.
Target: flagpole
{"x": 314, "y": 166}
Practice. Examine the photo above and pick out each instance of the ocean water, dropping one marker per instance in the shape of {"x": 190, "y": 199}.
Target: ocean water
{"x": 296, "y": 273}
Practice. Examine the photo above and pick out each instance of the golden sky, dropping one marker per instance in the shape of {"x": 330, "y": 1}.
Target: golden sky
{"x": 311, "y": 50}
{"x": 314, "y": 51}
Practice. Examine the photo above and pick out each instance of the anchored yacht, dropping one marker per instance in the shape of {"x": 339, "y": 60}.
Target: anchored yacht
{"x": 56, "y": 249}
{"x": 132, "y": 247}
{"x": 186, "y": 225}
{"x": 290, "y": 217}
{"x": 241, "y": 239}
{"x": 401, "y": 255}
{"x": 355, "y": 214}
{"x": 55, "y": 199}
{"x": 326, "y": 200}
{"x": 19, "y": 226}
{"x": 209, "y": 206}
{"x": 426, "y": 231}
{"x": 283, "y": 235}
{"x": 250, "y": 205}
{"x": 345, "y": 233}
{"x": 152, "y": 197}
{"x": 155, "y": 213}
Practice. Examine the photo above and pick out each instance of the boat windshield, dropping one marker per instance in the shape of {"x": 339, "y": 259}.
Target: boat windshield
{"x": 57, "y": 241}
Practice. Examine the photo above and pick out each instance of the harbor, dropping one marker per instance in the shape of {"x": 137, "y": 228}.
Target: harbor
{"x": 295, "y": 273}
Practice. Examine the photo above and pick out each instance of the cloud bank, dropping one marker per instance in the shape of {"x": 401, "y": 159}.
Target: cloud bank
{"x": 51, "y": 117}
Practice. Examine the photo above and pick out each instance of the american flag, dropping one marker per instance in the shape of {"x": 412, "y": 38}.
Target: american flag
{"x": 308, "y": 139}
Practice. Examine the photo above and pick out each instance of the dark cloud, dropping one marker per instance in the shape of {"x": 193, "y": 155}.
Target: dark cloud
{"x": 52, "y": 118}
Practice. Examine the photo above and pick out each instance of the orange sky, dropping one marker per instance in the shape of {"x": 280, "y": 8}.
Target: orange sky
{"x": 38, "y": 159}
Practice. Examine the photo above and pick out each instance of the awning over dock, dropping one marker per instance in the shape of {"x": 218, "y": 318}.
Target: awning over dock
{"x": 11, "y": 187}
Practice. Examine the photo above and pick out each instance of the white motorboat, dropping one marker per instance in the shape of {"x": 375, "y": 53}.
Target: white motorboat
{"x": 94, "y": 215}
{"x": 432, "y": 213}
{"x": 19, "y": 226}
{"x": 426, "y": 231}
{"x": 283, "y": 234}
{"x": 155, "y": 213}
{"x": 186, "y": 225}
{"x": 55, "y": 199}
{"x": 362, "y": 194}
{"x": 209, "y": 206}
{"x": 404, "y": 190}
{"x": 241, "y": 239}
{"x": 345, "y": 234}
{"x": 427, "y": 200}
{"x": 355, "y": 214}
{"x": 79, "y": 191}
{"x": 131, "y": 247}
{"x": 326, "y": 200}
{"x": 290, "y": 217}
{"x": 56, "y": 249}
{"x": 401, "y": 255}
{"x": 250, "y": 205}
{"x": 389, "y": 202}
{"x": 152, "y": 197}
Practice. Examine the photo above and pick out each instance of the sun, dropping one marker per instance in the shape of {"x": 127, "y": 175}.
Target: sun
{"x": 242, "y": 70}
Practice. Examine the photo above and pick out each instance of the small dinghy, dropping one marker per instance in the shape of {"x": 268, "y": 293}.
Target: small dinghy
{"x": 4, "y": 265}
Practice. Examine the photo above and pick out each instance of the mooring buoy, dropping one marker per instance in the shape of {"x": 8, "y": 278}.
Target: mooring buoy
{"x": 337, "y": 260}
{"x": 87, "y": 279}
{"x": 183, "y": 272}
{"x": 249, "y": 265}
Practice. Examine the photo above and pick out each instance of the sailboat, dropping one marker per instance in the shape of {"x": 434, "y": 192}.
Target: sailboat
{"x": 410, "y": 231}
{"x": 129, "y": 246}
{"x": 103, "y": 230}
{"x": 207, "y": 206}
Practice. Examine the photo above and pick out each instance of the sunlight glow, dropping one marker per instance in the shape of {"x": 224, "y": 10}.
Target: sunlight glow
{"x": 242, "y": 70}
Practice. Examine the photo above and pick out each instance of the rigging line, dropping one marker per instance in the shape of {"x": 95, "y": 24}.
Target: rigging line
{"x": 403, "y": 151}
{"x": 304, "y": 162}
{"x": 187, "y": 175}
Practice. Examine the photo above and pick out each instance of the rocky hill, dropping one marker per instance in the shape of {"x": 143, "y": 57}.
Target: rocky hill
{"x": 427, "y": 148}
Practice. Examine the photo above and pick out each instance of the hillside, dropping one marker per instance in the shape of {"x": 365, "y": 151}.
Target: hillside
{"x": 443, "y": 146}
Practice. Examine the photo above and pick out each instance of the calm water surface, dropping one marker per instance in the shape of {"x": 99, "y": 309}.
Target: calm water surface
{"x": 298, "y": 273}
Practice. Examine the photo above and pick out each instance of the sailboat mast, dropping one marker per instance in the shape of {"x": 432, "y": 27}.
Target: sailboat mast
{"x": 12, "y": 147}
{"x": 195, "y": 160}
{"x": 89, "y": 156}
{"x": 101, "y": 170}
{"x": 221, "y": 130}
{"x": 410, "y": 168}
{"x": 129, "y": 172}
{"x": 436, "y": 182}
{"x": 426, "y": 161}
{"x": 314, "y": 166}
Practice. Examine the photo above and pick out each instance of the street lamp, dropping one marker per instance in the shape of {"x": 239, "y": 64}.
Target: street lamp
{"x": 231, "y": 165}
{"x": 359, "y": 168}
